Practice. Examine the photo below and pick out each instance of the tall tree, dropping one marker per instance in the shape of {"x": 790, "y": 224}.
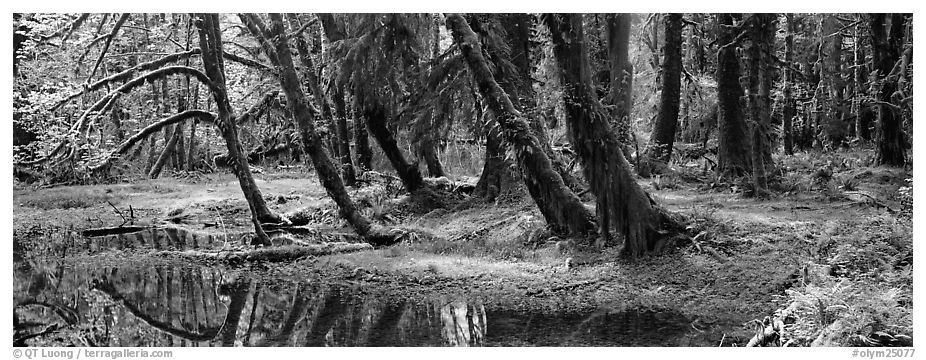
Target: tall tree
{"x": 560, "y": 207}
{"x": 761, "y": 33}
{"x": 831, "y": 76}
{"x": 275, "y": 44}
{"x": 788, "y": 112}
{"x": 733, "y": 148}
{"x": 620, "y": 200}
{"x": 886, "y": 44}
{"x": 663, "y": 135}
{"x": 210, "y": 41}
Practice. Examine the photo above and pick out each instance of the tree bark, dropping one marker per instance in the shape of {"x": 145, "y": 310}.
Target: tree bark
{"x": 733, "y": 148}
{"x": 276, "y": 44}
{"x": 663, "y": 136}
{"x": 620, "y": 200}
{"x": 362, "y": 141}
{"x": 886, "y": 48}
{"x": 210, "y": 41}
{"x": 559, "y": 206}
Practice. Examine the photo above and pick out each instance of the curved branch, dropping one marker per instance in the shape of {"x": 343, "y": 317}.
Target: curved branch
{"x": 83, "y": 122}
{"x": 125, "y": 75}
{"x": 129, "y": 143}
{"x": 247, "y": 62}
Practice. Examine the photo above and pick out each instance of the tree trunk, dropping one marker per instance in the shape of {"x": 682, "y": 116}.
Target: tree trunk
{"x": 621, "y": 98}
{"x": 559, "y": 206}
{"x": 276, "y": 45}
{"x": 862, "y": 109}
{"x": 427, "y": 150}
{"x": 362, "y": 141}
{"x": 498, "y": 177}
{"x": 758, "y": 54}
{"x": 210, "y": 41}
{"x": 620, "y": 200}
{"x": 347, "y": 166}
{"x": 334, "y": 32}
{"x": 733, "y": 147}
{"x": 663, "y": 137}
{"x": 788, "y": 111}
{"x": 376, "y": 119}
{"x": 886, "y": 48}
{"x": 831, "y": 50}
{"x": 166, "y": 153}
{"x": 312, "y": 82}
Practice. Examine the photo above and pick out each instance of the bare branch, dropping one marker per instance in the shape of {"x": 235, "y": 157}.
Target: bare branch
{"x": 109, "y": 40}
{"x": 129, "y": 143}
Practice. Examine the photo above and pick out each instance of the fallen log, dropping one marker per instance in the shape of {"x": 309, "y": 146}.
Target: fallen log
{"x": 270, "y": 254}
{"x": 112, "y": 230}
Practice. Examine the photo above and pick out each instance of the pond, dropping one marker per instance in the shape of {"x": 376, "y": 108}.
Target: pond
{"x": 136, "y": 304}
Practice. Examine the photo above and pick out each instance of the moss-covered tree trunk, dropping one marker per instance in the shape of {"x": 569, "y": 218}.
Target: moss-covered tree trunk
{"x": 327, "y": 115}
{"x": 276, "y": 45}
{"x": 560, "y": 207}
{"x": 733, "y": 148}
{"x": 335, "y": 32}
{"x": 761, "y": 30}
{"x": 621, "y": 72}
{"x": 621, "y": 202}
{"x": 663, "y": 136}
{"x": 210, "y": 41}
{"x": 886, "y": 47}
{"x": 377, "y": 118}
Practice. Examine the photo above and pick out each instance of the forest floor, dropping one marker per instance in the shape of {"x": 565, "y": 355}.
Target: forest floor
{"x": 830, "y": 253}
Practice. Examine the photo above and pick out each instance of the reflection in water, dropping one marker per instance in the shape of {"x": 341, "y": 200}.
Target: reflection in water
{"x": 194, "y": 306}
{"x": 143, "y": 305}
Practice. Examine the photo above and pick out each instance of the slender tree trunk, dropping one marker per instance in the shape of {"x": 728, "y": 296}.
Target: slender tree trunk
{"x": 886, "y": 50}
{"x": 347, "y": 166}
{"x": 761, "y": 46}
{"x": 862, "y": 109}
{"x": 663, "y": 137}
{"x": 166, "y": 153}
{"x": 276, "y": 45}
{"x": 831, "y": 73}
{"x": 733, "y": 148}
{"x": 788, "y": 110}
{"x": 560, "y": 207}
{"x": 620, "y": 200}
{"x": 210, "y": 41}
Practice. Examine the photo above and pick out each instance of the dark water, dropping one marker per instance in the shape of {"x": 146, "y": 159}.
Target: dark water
{"x": 143, "y": 305}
